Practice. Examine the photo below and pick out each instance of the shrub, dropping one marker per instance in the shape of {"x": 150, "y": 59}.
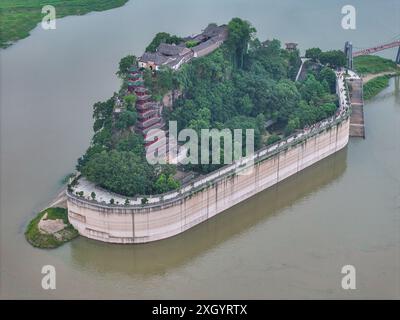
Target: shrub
{"x": 272, "y": 139}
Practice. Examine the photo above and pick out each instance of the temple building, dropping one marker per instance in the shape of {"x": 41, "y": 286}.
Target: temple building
{"x": 174, "y": 55}
{"x": 291, "y": 46}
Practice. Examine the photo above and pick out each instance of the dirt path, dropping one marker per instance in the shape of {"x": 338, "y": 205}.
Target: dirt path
{"x": 371, "y": 76}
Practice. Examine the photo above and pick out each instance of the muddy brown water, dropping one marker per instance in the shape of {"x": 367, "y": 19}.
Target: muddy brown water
{"x": 290, "y": 241}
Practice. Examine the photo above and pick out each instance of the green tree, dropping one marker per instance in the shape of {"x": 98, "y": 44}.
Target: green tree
{"x": 130, "y": 99}
{"x": 286, "y": 98}
{"x": 102, "y": 114}
{"x": 334, "y": 58}
{"x": 103, "y": 137}
{"x": 125, "y": 119}
{"x": 240, "y": 33}
{"x": 92, "y": 150}
{"x": 160, "y": 82}
{"x": 120, "y": 171}
{"x": 311, "y": 88}
{"x": 293, "y": 124}
{"x": 313, "y": 53}
{"x": 165, "y": 183}
{"x": 132, "y": 142}
{"x": 125, "y": 64}
{"x": 243, "y": 123}
{"x": 201, "y": 121}
{"x": 246, "y": 104}
{"x": 272, "y": 139}
{"x": 329, "y": 76}
{"x": 191, "y": 43}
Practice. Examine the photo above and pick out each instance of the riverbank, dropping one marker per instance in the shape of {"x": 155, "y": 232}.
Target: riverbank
{"x": 50, "y": 229}
{"x": 375, "y": 72}
{"x": 371, "y": 76}
{"x": 19, "y": 17}
{"x": 376, "y": 85}
{"x": 365, "y": 65}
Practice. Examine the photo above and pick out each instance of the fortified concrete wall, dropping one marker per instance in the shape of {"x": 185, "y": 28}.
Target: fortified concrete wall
{"x": 154, "y": 221}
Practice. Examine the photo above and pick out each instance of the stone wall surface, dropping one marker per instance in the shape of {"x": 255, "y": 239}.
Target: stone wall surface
{"x": 162, "y": 219}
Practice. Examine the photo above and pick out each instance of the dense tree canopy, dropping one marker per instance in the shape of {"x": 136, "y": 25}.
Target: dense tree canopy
{"x": 334, "y": 58}
{"x": 240, "y": 33}
{"x": 246, "y": 80}
{"x": 120, "y": 171}
{"x": 313, "y": 53}
{"x": 160, "y": 83}
{"x": 125, "y": 64}
{"x": 244, "y": 84}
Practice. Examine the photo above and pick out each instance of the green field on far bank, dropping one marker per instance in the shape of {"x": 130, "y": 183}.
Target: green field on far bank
{"x": 374, "y": 64}
{"x": 19, "y": 17}
{"x": 374, "y": 86}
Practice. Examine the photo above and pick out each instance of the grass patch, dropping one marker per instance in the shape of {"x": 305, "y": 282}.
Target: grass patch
{"x": 18, "y": 17}
{"x": 374, "y": 64}
{"x": 374, "y": 86}
{"x": 48, "y": 241}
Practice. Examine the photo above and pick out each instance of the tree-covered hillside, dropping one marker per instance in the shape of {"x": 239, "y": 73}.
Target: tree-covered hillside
{"x": 244, "y": 84}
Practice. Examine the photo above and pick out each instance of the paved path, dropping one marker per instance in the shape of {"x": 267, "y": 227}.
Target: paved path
{"x": 357, "y": 128}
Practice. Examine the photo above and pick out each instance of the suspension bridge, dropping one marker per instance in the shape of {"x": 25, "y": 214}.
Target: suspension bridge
{"x": 350, "y": 54}
{"x": 357, "y": 115}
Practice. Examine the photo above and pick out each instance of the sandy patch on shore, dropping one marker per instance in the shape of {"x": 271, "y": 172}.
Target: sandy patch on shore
{"x": 50, "y": 226}
{"x": 371, "y": 76}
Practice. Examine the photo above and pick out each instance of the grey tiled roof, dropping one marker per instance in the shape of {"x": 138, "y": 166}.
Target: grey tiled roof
{"x": 172, "y": 55}
{"x": 213, "y": 30}
{"x": 155, "y": 57}
{"x": 203, "y": 45}
{"x": 171, "y": 50}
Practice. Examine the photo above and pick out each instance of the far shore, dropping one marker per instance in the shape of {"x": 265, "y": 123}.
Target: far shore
{"x": 370, "y": 76}
{"x": 19, "y": 19}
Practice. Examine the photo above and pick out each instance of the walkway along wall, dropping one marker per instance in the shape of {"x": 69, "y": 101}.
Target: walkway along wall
{"x": 172, "y": 214}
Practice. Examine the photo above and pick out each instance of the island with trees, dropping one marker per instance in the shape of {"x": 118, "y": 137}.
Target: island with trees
{"x": 223, "y": 78}
{"x": 245, "y": 83}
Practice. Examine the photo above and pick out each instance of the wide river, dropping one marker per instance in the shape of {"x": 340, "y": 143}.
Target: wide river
{"x": 290, "y": 241}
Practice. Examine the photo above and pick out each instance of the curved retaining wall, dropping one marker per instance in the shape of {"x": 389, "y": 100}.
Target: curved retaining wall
{"x": 176, "y": 212}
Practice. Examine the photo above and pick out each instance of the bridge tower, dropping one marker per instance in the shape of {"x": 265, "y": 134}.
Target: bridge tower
{"x": 348, "y": 51}
{"x": 398, "y": 56}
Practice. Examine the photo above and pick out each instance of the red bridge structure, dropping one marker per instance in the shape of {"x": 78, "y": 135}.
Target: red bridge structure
{"x": 348, "y": 50}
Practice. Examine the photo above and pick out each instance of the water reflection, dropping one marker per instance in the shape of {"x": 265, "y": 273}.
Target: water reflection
{"x": 159, "y": 257}
{"x": 392, "y": 90}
